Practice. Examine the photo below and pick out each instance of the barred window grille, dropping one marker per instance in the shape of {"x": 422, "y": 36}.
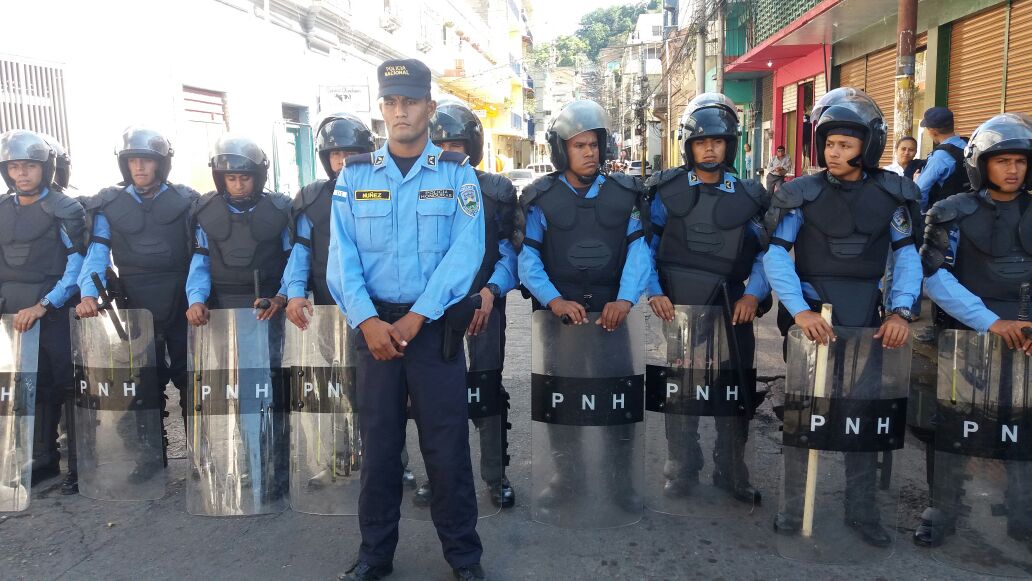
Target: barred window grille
{"x": 32, "y": 96}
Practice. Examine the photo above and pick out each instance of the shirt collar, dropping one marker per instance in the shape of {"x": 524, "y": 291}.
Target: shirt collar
{"x": 599, "y": 179}
{"x": 42, "y": 194}
{"x": 430, "y": 158}
{"x": 132, "y": 190}
{"x": 727, "y": 183}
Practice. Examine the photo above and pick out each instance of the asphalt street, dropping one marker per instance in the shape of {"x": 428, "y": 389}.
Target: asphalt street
{"x": 61, "y": 537}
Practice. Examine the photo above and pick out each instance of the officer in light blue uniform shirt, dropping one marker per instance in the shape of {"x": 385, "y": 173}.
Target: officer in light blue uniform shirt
{"x": 943, "y": 173}
{"x": 407, "y": 239}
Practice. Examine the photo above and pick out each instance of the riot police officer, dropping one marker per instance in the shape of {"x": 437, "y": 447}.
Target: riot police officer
{"x": 396, "y": 284}
{"x": 842, "y": 224}
{"x": 977, "y": 252}
{"x": 456, "y": 128}
{"x": 142, "y": 227}
{"x": 707, "y": 226}
{"x": 42, "y": 242}
{"x": 584, "y": 251}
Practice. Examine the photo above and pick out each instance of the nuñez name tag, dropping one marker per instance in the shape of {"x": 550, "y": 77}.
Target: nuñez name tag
{"x": 436, "y": 194}
{"x": 369, "y": 195}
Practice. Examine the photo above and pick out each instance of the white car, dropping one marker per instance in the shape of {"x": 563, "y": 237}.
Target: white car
{"x": 541, "y": 169}
{"x": 635, "y": 168}
{"x": 520, "y": 178}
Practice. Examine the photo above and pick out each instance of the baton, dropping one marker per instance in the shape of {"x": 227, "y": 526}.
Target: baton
{"x": 107, "y": 303}
{"x": 262, "y": 303}
{"x": 736, "y": 353}
{"x": 820, "y": 379}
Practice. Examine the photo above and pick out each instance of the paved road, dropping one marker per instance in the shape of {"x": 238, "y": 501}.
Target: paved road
{"x": 77, "y": 538}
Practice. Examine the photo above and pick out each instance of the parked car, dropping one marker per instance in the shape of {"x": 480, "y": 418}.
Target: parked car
{"x": 520, "y": 178}
{"x": 541, "y": 169}
{"x": 634, "y": 168}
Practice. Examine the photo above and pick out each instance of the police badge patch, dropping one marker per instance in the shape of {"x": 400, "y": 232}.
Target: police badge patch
{"x": 469, "y": 201}
{"x": 901, "y": 222}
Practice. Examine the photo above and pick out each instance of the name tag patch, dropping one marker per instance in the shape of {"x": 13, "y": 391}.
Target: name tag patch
{"x": 436, "y": 194}
{"x": 370, "y": 195}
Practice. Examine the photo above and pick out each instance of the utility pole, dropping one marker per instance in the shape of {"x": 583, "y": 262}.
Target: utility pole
{"x": 719, "y": 7}
{"x": 700, "y": 54}
{"x": 643, "y": 89}
{"x": 903, "y": 118}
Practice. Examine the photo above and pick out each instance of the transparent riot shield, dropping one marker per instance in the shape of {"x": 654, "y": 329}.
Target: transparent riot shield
{"x": 587, "y": 407}
{"x": 982, "y": 483}
{"x": 699, "y": 398}
{"x": 18, "y": 358}
{"x": 485, "y": 401}
{"x": 845, "y": 412}
{"x": 237, "y": 434}
{"x": 118, "y": 405}
{"x": 326, "y": 450}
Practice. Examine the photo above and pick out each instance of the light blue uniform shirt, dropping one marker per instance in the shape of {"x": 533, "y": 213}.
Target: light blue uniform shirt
{"x": 198, "y": 281}
{"x": 66, "y": 286}
{"x": 416, "y": 239}
{"x": 98, "y": 256}
{"x": 757, "y": 285}
{"x": 637, "y": 266}
{"x": 940, "y": 165}
{"x": 781, "y": 272}
{"x": 299, "y": 265}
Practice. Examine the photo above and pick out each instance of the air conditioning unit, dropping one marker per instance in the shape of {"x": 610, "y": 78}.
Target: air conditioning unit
{"x": 390, "y": 21}
{"x": 424, "y": 45}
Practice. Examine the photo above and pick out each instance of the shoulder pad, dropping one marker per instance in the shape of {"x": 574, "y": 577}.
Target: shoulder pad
{"x": 756, "y": 191}
{"x": 204, "y": 200}
{"x": 794, "y": 193}
{"x": 281, "y": 201}
{"x": 101, "y": 198}
{"x": 537, "y": 187}
{"x": 309, "y": 194}
{"x": 630, "y": 182}
{"x": 664, "y": 176}
{"x": 454, "y": 157}
{"x": 897, "y": 186}
{"x": 358, "y": 159}
{"x": 185, "y": 191}
{"x": 497, "y": 187}
{"x": 955, "y": 207}
{"x": 66, "y": 208}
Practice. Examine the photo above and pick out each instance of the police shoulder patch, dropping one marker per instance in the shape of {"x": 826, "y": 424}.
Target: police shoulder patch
{"x": 469, "y": 201}
{"x": 636, "y": 214}
{"x": 901, "y": 222}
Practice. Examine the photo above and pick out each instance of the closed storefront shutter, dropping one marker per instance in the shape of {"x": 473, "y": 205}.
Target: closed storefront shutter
{"x": 976, "y": 74}
{"x": 768, "y": 97}
{"x": 818, "y": 87}
{"x": 881, "y": 86}
{"x": 853, "y": 73}
{"x": 1019, "y": 59}
{"x": 788, "y": 98}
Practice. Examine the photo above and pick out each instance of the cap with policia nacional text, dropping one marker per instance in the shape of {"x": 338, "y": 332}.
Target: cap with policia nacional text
{"x": 407, "y": 78}
{"x": 937, "y": 118}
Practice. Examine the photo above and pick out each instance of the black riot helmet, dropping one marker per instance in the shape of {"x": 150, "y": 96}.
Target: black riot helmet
{"x": 62, "y": 162}
{"x": 576, "y": 118}
{"x": 233, "y": 154}
{"x": 1004, "y": 133}
{"x": 854, "y": 113}
{"x": 144, "y": 142}
{"x": 342, "y": 131}
{"x": 709, "y": 115}
{"x": 24, "y": 145}
{"x": 455, "y": 121}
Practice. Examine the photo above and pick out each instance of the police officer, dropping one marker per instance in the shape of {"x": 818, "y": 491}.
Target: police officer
{"x": 42, "y": 245}
{"x": 842, "y": 223}
{"x": 704, "y": 196}
{"x": 142, "y": 227}
{"x": 943, "y": 174}
{"x": 572, "y": 261}
{"x": 456, "y": 128}
{"x": 338, "y": 136}
{"x": 62, "y": 163}
{"x": 976, "y": 254}
{"x": 395, "y": 284}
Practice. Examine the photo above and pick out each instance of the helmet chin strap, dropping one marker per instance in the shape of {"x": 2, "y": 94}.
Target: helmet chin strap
{"x": 710, "y": 166}
{"x": 857, "y": 161}
{"x": 586, "y": 180}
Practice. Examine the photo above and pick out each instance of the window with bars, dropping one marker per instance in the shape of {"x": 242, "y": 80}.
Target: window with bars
{"x": 32, "y": 96}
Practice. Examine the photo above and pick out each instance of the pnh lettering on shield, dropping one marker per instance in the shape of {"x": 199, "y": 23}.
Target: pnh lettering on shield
{"x": 852, "y": 424}
{"x": 589, "y": 403}
{"x": 702, "y": 392}
{"x": 233, "y": 391}
{"x": 104, "y": 388}
{"x": 1007, "y": 433}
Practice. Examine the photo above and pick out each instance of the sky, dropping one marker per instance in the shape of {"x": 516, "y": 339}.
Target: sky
{"x": 552, "y": 18}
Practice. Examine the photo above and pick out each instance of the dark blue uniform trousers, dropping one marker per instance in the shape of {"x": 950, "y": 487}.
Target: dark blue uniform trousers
{"x": 437, "y": 390}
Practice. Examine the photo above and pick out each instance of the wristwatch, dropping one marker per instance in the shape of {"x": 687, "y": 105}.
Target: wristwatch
{"x": 497, "y": 292}
{"x": 46, "y": 304}
{"x": 904, "y": 313}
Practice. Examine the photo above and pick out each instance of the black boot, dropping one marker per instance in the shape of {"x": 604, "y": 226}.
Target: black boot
{"x": 680, "y": 486}
{"x": 933, "y": 528}
{"x": 872, "y": 533}
{"x": 742, "y": 491}
{"x": 786, "y": 524}
{"x": 502, "y": 494}
{"x": 424, "y": 494}
{"x": 363, "y": 571}
{"x": 70, "y": 485}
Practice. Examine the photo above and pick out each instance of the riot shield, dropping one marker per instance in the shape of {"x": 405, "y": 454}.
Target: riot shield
{"x": 18, "y": 357}
{"x": 698, "y": 404}
{"x": 982, "y": 485}
{"x": 237, "y": 435}
{"x": 118, "y": 407}
{"x": 485, "y": 401}
{"x": 587, "y": 407}
{"x": 326, "y": 450}
{"x": 845, "y": 412}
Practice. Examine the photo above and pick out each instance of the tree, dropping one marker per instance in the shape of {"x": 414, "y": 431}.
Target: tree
{"x": 567, "y": 51}
{"x": 602, "y": 26}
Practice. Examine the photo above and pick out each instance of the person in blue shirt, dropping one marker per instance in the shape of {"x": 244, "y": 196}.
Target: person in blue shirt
{"x": 142, "y": 227}
{"x": 977, "y": 254}
{"x": 842, "y": 224}
{"x": 707, "y": 235}
{"x": 943, "y": 173}
{"x": 407, "y": 240}
{"x": 42, "y": 244}
{"x": 338, "y": 136}
{"x": 456, "y": 128}
{"x": 584, "y": 251}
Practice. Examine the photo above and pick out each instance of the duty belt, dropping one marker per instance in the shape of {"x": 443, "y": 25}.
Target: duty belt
{"x": 391, "y": 312}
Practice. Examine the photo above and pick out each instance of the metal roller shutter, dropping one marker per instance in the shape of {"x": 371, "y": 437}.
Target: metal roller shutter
{"x": 976, "y": 71}
{"x": 789, "y": 96}
{"x": 819, "y": 84}
{"x": 1019, "y": 59}
{"x": 881, "y": 86}
{"x": 853, "y": 73}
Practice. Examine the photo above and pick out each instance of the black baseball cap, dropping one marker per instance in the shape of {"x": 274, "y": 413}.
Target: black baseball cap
{"x": 405, "y": 77}
{"x": 937, "y": 118}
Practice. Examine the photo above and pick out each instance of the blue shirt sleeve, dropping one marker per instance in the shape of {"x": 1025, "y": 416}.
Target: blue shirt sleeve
{"x": 531, "y": 268}
{"x": 67, "y": 286}
{"x": 198, "y": 281}
{"x": 906, "y": 271}
{"x": 505, "y": 270}
{"x": 299, "y": 265}
{"x": 637, "y": 267}
{"x": 780, "y": 268}
{"x": 757, "y": 285}
{"x": 659, "y": 219}
{"x": 98, "y": 257}
{"x": 453, "y": 276}
{"x": 935, "y": 171}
